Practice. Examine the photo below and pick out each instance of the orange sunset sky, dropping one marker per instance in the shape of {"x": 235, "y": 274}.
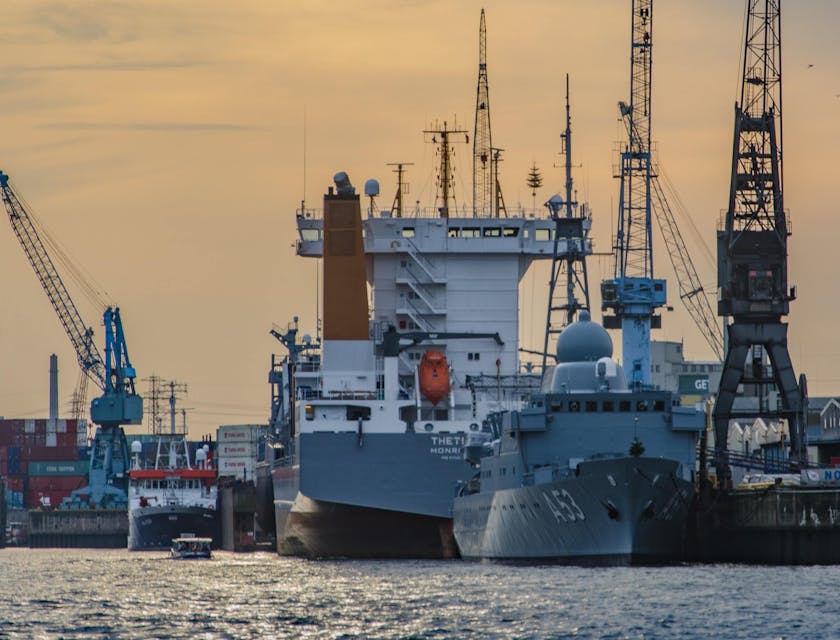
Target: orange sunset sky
{"x": 162, "y": 144}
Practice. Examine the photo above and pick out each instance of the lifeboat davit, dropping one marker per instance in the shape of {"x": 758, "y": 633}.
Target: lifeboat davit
{"x": 434, "y": 376}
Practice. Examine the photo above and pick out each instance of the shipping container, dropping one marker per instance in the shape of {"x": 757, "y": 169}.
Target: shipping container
{"x": 239, "y": 468}
{"x": 44, "y": 499}
{"x": 50, "y": 454}
{"x": 237, "y": 450}
{"x": 58, "y": 468}
{"x": 16, "y": 483}
{"x": 240, "y": 433}
{"x": 56, "y": 483}
{"x": 14, "y": 499}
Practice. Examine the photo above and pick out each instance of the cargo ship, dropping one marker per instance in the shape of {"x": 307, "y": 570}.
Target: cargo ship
{"x": 173, "y": 497}
{"x": 378, "y": 414}
{"x": 592, "y": 471}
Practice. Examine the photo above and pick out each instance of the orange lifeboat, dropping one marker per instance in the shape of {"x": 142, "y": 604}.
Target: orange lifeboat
{"x": 434, "y": 376}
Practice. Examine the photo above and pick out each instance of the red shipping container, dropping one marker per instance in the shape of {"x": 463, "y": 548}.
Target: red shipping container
{"x": 51, "y": 454}
{"x": 66, "y": 439}
{"x": 56, "y": 483}
{"x": 32, "y": 499}
{"x": 15, "y": 483}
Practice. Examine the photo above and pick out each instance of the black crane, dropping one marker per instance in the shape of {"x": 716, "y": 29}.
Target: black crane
{"x": 752, "y": 248}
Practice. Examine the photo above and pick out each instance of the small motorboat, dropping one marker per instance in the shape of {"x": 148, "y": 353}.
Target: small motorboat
{"x": 191, "y": 548}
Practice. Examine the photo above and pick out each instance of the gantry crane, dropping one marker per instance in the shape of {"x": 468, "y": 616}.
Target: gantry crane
{"x": 633, "y": 294}
{"x": 752, "y": 247}
{"x": 119, "y": 404}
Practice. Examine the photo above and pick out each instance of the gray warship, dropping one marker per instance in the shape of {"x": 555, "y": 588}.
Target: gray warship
{"x": 592, "y": 471}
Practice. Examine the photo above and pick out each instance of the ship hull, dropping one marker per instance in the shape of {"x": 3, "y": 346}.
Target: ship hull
{"x": 393, "y": 499}
{"x": 152, "y": 528}
{"x": 615, "y": 511}
{"x": 319, "y": 529}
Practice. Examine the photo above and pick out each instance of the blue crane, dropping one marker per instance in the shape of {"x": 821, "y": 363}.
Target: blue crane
{"x": 119, "y": 404}
{"x": 633, "y": 294}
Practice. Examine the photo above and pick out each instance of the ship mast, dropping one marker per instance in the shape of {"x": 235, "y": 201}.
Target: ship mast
{"x": 483, "y": 186}
{"x": 571, "y": 246}
{"x": 446, "y": 182}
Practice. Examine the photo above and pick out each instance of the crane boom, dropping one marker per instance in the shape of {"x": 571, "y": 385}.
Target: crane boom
{"x": 80, "y": 335}
{"x": 692, "y": 293}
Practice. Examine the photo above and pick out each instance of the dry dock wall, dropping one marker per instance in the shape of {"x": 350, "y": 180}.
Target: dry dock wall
{"x": 90, "y": 529}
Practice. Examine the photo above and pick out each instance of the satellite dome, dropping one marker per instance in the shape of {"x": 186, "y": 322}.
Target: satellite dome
{"x": 372, "y": 187}
{"x": 136, "y": 447}
{"x": 583, "y": 341}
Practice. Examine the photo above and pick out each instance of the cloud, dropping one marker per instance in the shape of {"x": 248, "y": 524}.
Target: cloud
{"x": 149, "y": 126}
{"x": 104, "y": 66}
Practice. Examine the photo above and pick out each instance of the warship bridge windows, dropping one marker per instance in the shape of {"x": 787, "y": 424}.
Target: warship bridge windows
{"x": 624, "y": 405}
{"x": 408, "y": 232}
{"x": 608, "y": 406}
{"x": 591, "y": 406}
{"x": 492, "y": 232}
{"x": 574, "y": 406}
{"x": 510, "y": 232}
{"x": 642, "y": 405}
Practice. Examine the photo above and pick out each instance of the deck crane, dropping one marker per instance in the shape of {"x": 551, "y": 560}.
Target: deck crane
{"x": 119, "y": 404}
{"x": 752, "y": 248}
{"x": 633, "y": 294}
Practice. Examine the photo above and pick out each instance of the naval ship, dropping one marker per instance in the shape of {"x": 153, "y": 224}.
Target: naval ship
{"x": 377, "y": 416}
{"x": 592, "y": 471}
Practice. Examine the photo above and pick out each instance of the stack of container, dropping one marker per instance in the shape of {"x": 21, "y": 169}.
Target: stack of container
{"x": 238, "y": 449}
{"x": 40, "y": 460}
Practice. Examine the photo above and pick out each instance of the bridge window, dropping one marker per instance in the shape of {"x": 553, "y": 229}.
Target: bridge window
{"x": 408, "y": 232}
{"x": 624, "y": 405}
{"x": 510, "y": 232}
{"x": 541, "y": 235}
{"x": 591, "y": 406}
{"x": 492, "y": 232}
{"x": 609, "y": 405}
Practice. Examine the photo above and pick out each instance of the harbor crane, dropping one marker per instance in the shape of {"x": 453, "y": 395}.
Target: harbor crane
{"x": 752, "y": 249}
{"x": 119, "y": 404}
{"x": 633, "y": 294}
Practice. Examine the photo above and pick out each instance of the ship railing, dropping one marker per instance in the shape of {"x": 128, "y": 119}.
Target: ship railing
{"x": 317, "y": 394}
{"x": 422, "y": 261}
{"x": 416, "y": 316}
{"x": 422, "y": 295}
{"x": 309, "y": 213}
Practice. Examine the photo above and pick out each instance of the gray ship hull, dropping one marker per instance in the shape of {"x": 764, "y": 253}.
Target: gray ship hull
{"x": 155, "y": 527}
{"x": 614, "y": 511}
{"x": 407, "y": 472}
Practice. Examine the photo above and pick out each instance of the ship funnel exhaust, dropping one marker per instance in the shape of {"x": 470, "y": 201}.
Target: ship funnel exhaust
{"x": 345, "y": 278}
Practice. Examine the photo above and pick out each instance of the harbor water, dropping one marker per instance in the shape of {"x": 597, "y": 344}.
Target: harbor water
{"x": 115, "y": 594}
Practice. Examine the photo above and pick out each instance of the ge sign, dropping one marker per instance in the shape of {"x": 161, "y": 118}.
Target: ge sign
{"x": 694, "y": 385}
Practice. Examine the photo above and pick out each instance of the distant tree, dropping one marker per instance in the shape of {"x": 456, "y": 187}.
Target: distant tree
{"x": 534, "y": 182}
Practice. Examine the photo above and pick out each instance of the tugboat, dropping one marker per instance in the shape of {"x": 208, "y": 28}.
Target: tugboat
{"x": 191, "y": 548}
{"x": 172, "y": 499}
{"x": 591, "y": 472}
